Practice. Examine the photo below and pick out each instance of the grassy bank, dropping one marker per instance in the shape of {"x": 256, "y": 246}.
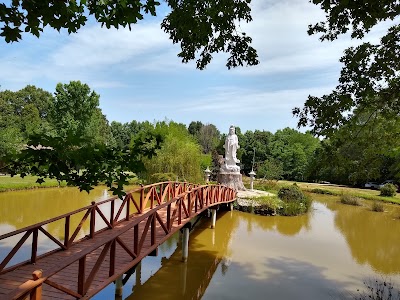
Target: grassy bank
{"x": 8, "y": 183}
{"x": 329, "y": 189}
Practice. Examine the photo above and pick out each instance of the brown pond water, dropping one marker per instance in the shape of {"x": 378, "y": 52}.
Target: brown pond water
{"x": 326, "y": 254}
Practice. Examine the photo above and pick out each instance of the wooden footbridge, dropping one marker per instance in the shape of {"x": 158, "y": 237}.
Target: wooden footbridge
{"x": 120, "y": 234}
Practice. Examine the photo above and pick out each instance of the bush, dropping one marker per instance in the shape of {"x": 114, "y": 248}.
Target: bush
{"x": 350, "y": 200}
{"x": 388, "y": 190}
{"x": 377, "y": 206}
{"x": 294, "y": 201}
{"x": 291, "y": 193}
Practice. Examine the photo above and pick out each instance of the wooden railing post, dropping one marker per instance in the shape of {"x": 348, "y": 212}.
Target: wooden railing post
{"x": 141, "y": 199}
{"x": 169, "y": 217}
{"x": 111, "y": 269}
{"x": 153, "y": 230}
{"x": 34, "y": 245}
{"x": 66, "y": 231}
{"x": 112, "y": 212}
{"x": 128, "y": 202}
{"x": 92, "y": 219}
{"x": 81, "y": 275}
{"x": 161, "y": 192}
{"x": 36, "y": 293}
{"x": 136, "y": 240}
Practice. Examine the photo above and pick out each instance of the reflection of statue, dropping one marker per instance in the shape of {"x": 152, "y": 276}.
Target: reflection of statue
{"x": 231, "y": 146}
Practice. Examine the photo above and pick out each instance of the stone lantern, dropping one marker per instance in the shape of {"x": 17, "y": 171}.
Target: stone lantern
{"x": 252, "y": 176}
{"x": 207, "y": 172}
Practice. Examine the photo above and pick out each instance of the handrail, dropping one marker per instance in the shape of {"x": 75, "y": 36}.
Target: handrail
{"x": 190, "y": 201}
{"x": 90, "y": 214}
{"x": 6, "y": 235}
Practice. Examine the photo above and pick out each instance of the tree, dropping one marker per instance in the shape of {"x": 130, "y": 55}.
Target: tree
{"x": 201, "y": 27}
{"x": 270, "y": 169}
{"x": 295, "y": 151}
{"x": 365, "y": 149}
{"x": 26, "y": 109}
{"x": 194, "y": 128}
{"x": 208, "y": 138}
{"x": 179, "y": 154}
{"x": 74, "y": 107}
{"x": 78, "y": 148}
{"x": 370, "y": 77}
{"x": 257, "y": 144}
{"x": 22, "y": 114}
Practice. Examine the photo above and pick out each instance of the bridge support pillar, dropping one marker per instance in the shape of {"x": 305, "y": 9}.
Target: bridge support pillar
{"x": 213, "y": 217}
{"x": 185, "y": 244}
{"x": 119, "y": 286}
{"x": 138, "y": 272}
{"x": 231, "y": 206}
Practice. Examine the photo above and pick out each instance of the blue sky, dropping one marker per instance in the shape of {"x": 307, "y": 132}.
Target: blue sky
{"x": 139, "y": 77}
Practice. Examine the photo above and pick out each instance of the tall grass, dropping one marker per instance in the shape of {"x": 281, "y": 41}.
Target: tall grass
{"x": 377, "y": 206}
{"x": 379, "y": 290}
{"x": 350, "y": 200}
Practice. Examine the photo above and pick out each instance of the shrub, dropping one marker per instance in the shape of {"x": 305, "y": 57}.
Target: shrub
{"x": 294, "y": 201}
{"x": 350, "y": 200}
{"x": 377, "y": 206}
{"x": 388, "y": 190}
{"x": 291, "y": 193}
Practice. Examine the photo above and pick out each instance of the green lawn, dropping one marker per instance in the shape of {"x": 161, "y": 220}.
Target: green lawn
{"x": 338, "y": 190}
{"x": 8, "y": 183}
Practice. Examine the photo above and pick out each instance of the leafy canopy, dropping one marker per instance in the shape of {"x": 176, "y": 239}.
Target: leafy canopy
{"x": 202, "y": 28}
{"x": 369, "y": 79}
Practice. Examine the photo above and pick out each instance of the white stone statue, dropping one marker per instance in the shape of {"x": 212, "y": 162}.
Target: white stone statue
{"x": 231, "y": 146}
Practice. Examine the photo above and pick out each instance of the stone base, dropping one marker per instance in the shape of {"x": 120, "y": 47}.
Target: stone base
{"x": 232, "y": 180}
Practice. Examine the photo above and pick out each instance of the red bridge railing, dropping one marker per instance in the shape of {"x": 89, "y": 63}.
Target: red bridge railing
{"x": 166, "y": 205}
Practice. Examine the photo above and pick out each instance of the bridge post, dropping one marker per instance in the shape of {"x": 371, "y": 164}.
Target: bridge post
{"x": 138, "y": 272}
{"x": 231, "y": 206}
{"x": 185, "y": 244}
{"x": 213, "y": 217}
{"x": 119, "y": 287}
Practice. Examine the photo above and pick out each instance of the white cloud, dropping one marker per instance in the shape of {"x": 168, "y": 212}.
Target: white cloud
{"x": 99, "y": 47}
{"x": 279, "y": 31}
{"x": 233, "y": 100}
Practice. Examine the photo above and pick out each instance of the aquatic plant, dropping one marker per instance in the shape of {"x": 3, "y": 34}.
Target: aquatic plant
{"x": 378, "y": 290}
{"x": 350, "y": 200}
{"x": 377, "y": 206}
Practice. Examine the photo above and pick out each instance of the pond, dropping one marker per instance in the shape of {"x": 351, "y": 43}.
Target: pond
{"x": 326, "y": 254}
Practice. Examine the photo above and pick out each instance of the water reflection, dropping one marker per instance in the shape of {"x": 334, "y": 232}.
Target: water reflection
{"x": 20, "y": 209}
{"x": 208, "y": 249}
{"x": 289, "y": 226}
{"x": 322, "y": 255}
{"x": 371, "y": 236}
{"x": 325, "y": 254}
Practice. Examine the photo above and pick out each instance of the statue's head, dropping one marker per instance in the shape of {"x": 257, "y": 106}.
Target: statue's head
{"x": 232, "y": 129}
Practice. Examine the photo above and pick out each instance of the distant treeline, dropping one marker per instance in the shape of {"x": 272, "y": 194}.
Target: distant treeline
{"x": 366, "y": 150}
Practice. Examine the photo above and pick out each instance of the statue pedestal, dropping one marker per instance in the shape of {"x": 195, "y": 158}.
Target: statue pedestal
{"x": 232, "y": 180}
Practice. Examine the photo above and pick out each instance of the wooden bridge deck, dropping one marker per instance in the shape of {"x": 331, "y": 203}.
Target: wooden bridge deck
{"x": 80, "y": 269}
